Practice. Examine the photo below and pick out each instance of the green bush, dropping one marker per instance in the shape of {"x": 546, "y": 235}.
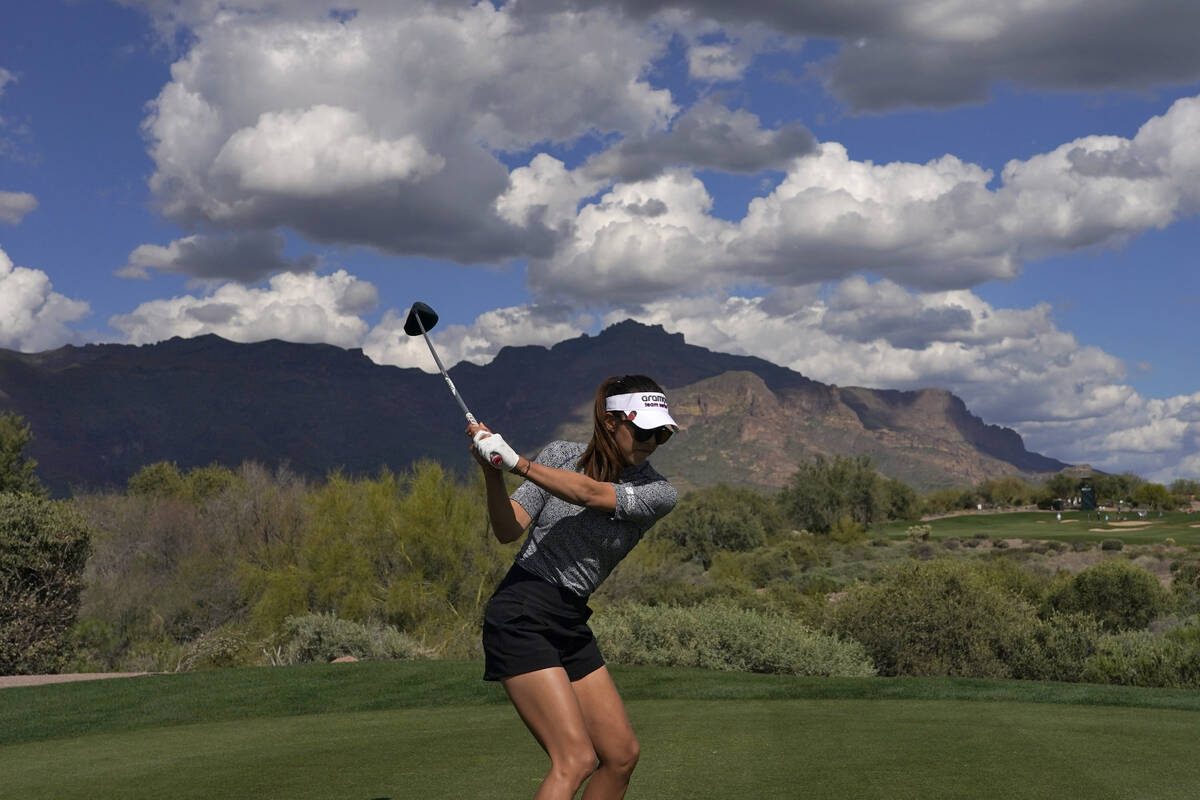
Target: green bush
{"x": 1059, "y": 648}
{"x": 1121, "y": 595}
{"x": 785, "y": 560}
{"x": 1141, "y": 658}
{"x": 324, "y": 637}
{"x": 44, "y": 547}
{"x": 220, "y": 648}
{"x": 1112, "y": 545}
{"x": 721, "y": 636}
{"x": 1185, "y": 587}
{"x": 937, "y": 617}
{"x": 657, "y": 572}
{"x": 708, "y": 521}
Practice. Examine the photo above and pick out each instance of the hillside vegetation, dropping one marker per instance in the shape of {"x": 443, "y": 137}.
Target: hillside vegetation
{"x": 833, "y": 575}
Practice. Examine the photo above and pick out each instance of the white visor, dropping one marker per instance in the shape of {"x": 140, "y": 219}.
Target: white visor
{"x": 647, "y": 410}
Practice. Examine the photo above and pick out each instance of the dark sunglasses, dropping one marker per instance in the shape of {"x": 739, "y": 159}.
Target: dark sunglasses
{"x": 660, "y": 434}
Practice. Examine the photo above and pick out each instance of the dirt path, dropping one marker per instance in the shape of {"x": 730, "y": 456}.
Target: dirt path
{"x": 8, "y": 681}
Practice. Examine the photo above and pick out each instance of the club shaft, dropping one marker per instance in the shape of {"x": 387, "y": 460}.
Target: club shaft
{"x": 442, "y": 369}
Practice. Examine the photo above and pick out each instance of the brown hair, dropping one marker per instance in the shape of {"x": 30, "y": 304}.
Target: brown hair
{"x": 602, "y": 461}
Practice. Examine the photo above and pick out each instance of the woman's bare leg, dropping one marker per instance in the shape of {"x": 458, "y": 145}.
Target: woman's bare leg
{"x": 611, "y": 735}
{"x": 547, "y": 703}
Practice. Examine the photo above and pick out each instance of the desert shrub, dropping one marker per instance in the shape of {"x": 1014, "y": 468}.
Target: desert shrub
{"x": 1002, "y": 571}
{"x": 923, "y": 551}
{"x": 1112, "y": 544}
{"x": 1121, "y": 595}
{"x": 220, "y": 648}
{"x": 721, "y": 636}
{"x": 324, "y": 637}
{"x": 918, "y": 533}
{"x": 1185, "y": 586}
{"x": 719, "y": 518}
{"x": 938, "y": 617}
{"x": 44, "y": 547}
{"x": 657, "y": 572}
{"x": 1059, "y": 647}
{"x": 847, "y": 531}
{"x": 1141, "y": 658}
{"x": 785, "y": 560}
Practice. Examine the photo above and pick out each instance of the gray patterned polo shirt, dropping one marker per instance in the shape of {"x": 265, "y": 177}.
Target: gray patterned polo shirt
{"x": 576, "y": 547}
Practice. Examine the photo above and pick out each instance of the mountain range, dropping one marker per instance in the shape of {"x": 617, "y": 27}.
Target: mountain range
{"x": 102, "y": 411}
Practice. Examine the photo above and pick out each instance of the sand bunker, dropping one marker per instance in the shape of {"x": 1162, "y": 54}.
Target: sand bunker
{"x": 1127, "y": 528}
{"x": 1065, "y": 521}
{"x": 1130, "y": 524}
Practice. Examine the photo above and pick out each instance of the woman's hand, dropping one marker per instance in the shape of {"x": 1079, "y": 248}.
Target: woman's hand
{"x": 490, "y": 449}
{"x": 471, "y": 431}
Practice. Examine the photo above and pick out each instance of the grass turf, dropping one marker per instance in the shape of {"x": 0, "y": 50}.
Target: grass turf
{"x": 1075, "y": 526}
{"x": 432, "y": 729}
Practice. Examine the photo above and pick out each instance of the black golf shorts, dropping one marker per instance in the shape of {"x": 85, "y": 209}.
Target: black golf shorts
{"x": 531, "y": 624}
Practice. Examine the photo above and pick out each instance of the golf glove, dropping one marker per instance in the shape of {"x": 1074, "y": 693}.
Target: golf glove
{"x": 496, "y": 451}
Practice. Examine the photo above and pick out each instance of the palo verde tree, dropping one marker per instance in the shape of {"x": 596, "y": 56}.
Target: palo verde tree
{"x": 16, "y": 469}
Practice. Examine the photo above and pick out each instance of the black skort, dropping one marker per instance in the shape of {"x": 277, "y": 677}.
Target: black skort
{"x": 531, "y": 624}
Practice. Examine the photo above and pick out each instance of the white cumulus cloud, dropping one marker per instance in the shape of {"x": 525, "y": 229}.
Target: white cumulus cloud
{"x": 15, "y": 205}
{"x": 293, "y": 307}
{"x": 34, "y": 317}
{"x": 937, "y": 225}
{"x": 381, "y": 127}
{"x": 478, "y": 342}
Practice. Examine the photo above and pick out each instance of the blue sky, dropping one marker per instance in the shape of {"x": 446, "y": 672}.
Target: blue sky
{"x": 996, "y": 199}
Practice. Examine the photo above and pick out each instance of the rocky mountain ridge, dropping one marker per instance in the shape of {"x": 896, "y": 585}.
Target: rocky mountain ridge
{"x": 100, "y": 412}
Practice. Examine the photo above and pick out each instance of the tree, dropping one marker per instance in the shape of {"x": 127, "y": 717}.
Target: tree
{"x": 1006, "y": 492}
{"x": 1063, "y": 485}
{"x": 44, "y": 546}
{"x": 16, "y": 470}
{"x": 1185, "y": 489}
{"x": 900, "y": 501}
{"x": 160, "y": 479}
{"x": 821, "y": 492}
{"x": 1113, "y": 489}
{"x": 1153, "y": 495}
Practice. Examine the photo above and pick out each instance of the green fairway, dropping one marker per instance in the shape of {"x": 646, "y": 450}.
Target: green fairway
{"x": 1074, "y": 526}
{"x": 433, "y": 730}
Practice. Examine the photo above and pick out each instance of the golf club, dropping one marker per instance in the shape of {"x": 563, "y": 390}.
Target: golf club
{"x": 421, "y": 319}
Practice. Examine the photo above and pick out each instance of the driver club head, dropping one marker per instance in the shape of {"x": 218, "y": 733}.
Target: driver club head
{"x": 421, "y": 319}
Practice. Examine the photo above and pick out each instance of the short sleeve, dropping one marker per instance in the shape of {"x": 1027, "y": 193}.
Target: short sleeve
{"x": 644, "y": 503}
{"x": 529, "y": 495}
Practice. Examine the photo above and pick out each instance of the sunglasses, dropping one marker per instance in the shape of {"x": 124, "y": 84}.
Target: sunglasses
{"x": 660, "y": 434}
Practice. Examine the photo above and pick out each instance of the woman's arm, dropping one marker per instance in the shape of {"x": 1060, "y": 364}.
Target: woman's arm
{"x": 509, "y": 520}
{"x": 573, "y": 487}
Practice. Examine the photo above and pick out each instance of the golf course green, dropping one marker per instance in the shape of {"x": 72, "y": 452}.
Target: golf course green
{"x": 434, "y": 730}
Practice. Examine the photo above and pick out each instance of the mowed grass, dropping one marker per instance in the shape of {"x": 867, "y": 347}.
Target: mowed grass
{"x": 1074, "y": 526}
{"x": 433, "y": 730}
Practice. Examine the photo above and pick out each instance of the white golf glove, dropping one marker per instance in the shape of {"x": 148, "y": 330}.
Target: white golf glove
{"x": 495, "y": 451}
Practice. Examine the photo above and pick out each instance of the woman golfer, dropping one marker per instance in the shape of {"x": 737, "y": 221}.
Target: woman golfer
{"x": 585, "y": 508}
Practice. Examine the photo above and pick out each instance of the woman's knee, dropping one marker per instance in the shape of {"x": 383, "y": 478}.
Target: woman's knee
{"x": 622, "y": 757}
{"x": 576, "y": 763}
